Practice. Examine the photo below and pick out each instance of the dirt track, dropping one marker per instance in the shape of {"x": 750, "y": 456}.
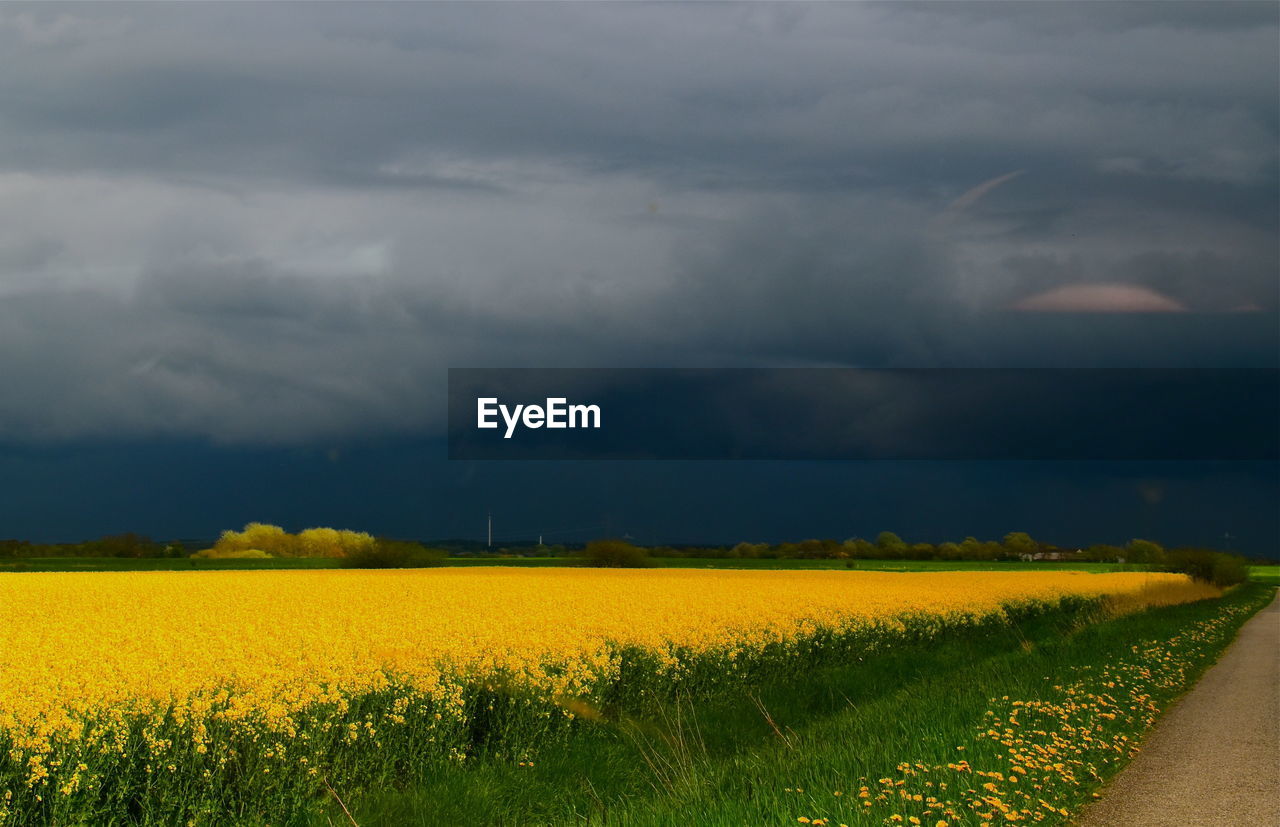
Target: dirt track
{"x": 1214, "y": 759}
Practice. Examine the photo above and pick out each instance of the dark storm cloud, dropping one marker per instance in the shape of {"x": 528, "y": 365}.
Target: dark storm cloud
{"x": 276, "y": 222}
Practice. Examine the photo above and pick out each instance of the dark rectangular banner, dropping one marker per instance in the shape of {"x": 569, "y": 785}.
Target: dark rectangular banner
{"x": 853, "y": 413}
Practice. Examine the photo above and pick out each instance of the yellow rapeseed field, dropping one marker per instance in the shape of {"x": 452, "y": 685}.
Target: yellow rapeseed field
{"x": 88, "y": 658}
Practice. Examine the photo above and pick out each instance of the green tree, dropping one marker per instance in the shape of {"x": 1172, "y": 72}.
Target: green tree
{"x": 860, "y": 549}
{"x": 1020, "y": 543}
{"x": 1144, "y": 551}
{"x": 387, "y": 553}
{"x": 614, "y": 554}
{"x": 890, "y": 544}
{"x": 1103, "y": 553}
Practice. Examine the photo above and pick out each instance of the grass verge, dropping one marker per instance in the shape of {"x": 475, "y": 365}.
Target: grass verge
{"x": 1013, "y": 725}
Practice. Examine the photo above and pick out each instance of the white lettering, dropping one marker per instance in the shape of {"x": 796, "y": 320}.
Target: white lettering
{"x": 511, "y": 417}
{"x": 484, "y": 411}
{"x": 557, "y": 413}
{"x": 582, "y": 410}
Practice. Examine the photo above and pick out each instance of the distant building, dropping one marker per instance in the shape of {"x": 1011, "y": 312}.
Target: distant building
{"x": 1051, "y": 555}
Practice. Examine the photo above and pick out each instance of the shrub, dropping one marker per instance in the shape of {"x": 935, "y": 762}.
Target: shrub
{"x": 385, "y": 553}
{"x": 276, "y": 542}
{"x": 330, "y": 542}
{"x": 614, "y": 554}
{"x": 272, "y": 539}
{"x": 1210, "y": 566}
{"x": 1228, "y": 570}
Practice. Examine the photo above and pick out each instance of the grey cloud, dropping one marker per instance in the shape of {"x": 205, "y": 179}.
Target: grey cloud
{"x": 297, "y": 94}
{"x": 277, "y": 222}
{"x": 27, "y": 254}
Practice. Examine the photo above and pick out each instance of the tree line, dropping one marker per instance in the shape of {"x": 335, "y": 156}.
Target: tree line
{"x": 1016, "y": 545}
{"x": 362, "y": 550}
{"x": 1209, "y": 565}
{"x": 255, "y": 541}
{"x": 110, "y": 545}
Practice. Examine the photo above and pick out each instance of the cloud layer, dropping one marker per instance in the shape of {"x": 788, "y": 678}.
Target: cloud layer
{"x": 281, "y": 223}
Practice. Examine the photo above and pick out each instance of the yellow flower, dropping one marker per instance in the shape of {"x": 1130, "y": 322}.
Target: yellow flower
{"x": 268, "y": 654}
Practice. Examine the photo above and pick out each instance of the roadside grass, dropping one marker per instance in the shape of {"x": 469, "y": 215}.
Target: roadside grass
{"x": 857, "y": 743}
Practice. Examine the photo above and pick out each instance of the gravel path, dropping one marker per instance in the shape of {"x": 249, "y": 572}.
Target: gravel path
{"x": 1214, "y": 758}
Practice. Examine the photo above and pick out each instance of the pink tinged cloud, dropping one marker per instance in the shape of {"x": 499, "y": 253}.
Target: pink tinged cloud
{"x": 1100, "y": 298}
{"x": 970, "y": 197}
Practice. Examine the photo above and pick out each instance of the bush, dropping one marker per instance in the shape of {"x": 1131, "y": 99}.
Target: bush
{"x": 330, "y": 542}
{"x": 385, "y": 553}
{"x": 271, "y": 539}
{"x": 614, "y": 554}
{"x": 311, "y": 542}
{"x": 1228, "y": 570}
{"x": 1210, "y": 566}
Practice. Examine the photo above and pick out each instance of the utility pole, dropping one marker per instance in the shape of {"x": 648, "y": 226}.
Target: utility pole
{"x": 490, "y": 529}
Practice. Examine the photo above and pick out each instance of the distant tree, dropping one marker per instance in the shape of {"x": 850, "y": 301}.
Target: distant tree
{"x": 614, "y": 554}
{"x": 16, "y": 548}
{"x": 121, "y": 545}
{"x": 1103, "y": 553}
{"x": 921, "y": 551}
{"x": 748, "y": 551}
{"x": 973, "y": 549}
{"x": 386, "y": 553}
{"x": 815, "y": 549}
{"x": 859, "y": 548}
{"x": 890, "y": 545}
{"x": 949, "y": 551}
{"x": 1144, "y": 551}
{"x": 1019, "y": 543}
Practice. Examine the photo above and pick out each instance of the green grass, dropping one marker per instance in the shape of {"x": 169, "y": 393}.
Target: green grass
{"x": 160, "y": 564}
{"x": 198, "y": 564}
{"x": 1267, "y": 575}
{"x": 771, "y": 752}
{"x": 882, "y": 565}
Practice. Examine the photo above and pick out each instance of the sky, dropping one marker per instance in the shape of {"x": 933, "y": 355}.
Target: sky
{"x": 241, "y": 244}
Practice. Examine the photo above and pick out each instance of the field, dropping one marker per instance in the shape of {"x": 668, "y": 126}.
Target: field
{"x": 548, "y": 695}
{"x": 1270, "y": 575}
{"x": 38, "y": 564}
{"x": 1265, "y": 574}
